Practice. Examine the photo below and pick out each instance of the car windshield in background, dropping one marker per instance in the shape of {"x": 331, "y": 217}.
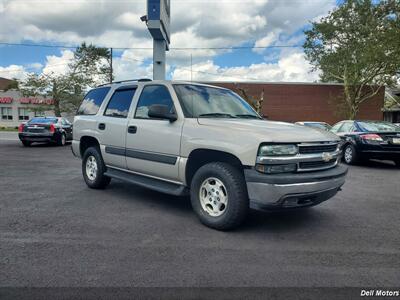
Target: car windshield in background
{"x": 44, "y": 120}
{"x": 319, "y": 125}
{"x": 207, "y": 102}
{"x": 378, "y": 126}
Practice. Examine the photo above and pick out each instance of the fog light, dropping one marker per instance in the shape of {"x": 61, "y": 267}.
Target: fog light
{"x": 273, "y": 169}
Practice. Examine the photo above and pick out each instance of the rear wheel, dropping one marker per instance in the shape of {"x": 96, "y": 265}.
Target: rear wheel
{"x": 61, "y": 140}
{"x": 350, "y": 156}
{"x": 93, "y": 169}
{"x": 26, "y": 143}
{"x": 219, "y": 196}
{"x": 397, "y": 163}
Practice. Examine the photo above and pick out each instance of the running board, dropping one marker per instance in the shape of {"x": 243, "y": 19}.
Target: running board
{"x": 148, "y": 182}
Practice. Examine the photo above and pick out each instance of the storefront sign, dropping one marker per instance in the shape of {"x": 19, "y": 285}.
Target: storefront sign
{"x": 36, "y": 101}
{"x": 6, "y": 100}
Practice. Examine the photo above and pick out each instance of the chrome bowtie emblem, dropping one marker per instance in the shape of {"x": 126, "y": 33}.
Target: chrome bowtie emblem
{"x": 326, "y": 156}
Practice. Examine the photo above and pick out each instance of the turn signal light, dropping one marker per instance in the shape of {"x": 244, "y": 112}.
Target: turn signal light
{"x": 52, "y": 128}
{"x": 21, "y": 127}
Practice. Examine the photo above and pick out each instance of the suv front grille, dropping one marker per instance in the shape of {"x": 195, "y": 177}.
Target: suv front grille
{"x": 309, "y": 149}
{"x": 306, "y": 165}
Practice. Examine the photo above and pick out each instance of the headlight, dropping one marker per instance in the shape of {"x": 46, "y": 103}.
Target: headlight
{"x": 277, "y": 150}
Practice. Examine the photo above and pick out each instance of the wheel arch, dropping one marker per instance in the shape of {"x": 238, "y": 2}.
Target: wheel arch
{"x": 199, "y": 157}
{"x": 86, "y": 142}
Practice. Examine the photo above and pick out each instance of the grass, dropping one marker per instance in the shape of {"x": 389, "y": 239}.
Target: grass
{"x": 11, "y": 129}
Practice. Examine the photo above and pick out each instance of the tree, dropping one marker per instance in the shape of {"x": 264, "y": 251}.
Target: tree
{"x": 256, "y": 103}
{"x": 90, "y": 66}
{"x": 358, "y": 45}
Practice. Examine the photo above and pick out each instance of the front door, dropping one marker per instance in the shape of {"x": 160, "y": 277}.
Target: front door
{"x": 153, "y": 145}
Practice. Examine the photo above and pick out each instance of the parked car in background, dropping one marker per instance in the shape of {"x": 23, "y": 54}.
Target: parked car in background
{"x": 56, "y": 130}
{"x": 369, "y": 140}
{"x": 318, "y": 125}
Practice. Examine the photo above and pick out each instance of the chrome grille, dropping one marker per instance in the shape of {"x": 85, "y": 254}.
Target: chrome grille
{"x": 317, "y": 148}
{"x": 319, "y": 164}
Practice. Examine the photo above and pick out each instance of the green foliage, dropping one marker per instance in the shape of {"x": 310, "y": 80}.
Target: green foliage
{"x": 90, "y": 66}
{"x": 358, "y": 44}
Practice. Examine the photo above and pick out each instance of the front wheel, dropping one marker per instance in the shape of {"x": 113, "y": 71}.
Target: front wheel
{"x": 219, "y": 196}
{"x": 93, "y": 169}
{"x": 397, "y": 163}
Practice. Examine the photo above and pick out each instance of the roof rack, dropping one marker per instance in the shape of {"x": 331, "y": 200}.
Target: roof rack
{"x": 129, "y": 80}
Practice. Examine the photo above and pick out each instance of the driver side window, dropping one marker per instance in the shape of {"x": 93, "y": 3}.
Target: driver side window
{"x": 153, "y": 94}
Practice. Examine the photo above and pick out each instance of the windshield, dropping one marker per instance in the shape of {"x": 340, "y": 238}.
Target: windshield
{"x": 44, "y": 120}
{"x": 378, "y": 126}
{"x": 319, "y": 125}
{"x": 207, "y": 102}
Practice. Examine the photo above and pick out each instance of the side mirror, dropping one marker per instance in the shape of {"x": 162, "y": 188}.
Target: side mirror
{"x": 160, "y": 111}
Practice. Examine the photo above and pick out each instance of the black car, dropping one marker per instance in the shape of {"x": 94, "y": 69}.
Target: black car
{"x": 56, "y": 130}
{"x": 369, "y": 140}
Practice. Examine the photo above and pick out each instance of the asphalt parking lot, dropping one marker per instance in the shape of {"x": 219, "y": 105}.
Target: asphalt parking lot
{"x": 54, "y": 231}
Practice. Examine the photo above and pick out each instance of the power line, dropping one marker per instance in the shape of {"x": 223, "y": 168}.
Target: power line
{"x": 150, "y": 48}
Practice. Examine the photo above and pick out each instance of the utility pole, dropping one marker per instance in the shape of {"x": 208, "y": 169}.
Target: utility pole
{"x": 111, "y": 66}
{"x": 158, "y": 21}
{"x": 191, "y": 66}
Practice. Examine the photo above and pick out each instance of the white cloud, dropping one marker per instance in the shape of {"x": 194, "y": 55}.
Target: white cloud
{"x": 58, "y": 64}
{"x": 289, "y": 68}
{"x": 13, "y": 71}
{"x": 264, "y": 42}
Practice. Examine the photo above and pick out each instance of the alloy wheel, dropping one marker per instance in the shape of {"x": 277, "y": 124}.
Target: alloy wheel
{"x": 213, "y": 196}
{"x": 91, "y": 168}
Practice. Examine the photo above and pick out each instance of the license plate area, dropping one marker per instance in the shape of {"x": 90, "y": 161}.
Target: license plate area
{"x": 396, "y": 141}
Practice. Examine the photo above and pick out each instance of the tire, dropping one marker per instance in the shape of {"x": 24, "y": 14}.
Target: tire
{"x": 219, "y": 207}
{"x": 94, "y": 174}
{"x": 350, "y": 155}
{"x": 397, "y": 163}
{"x": 61, "y": 140}
{"x": 26, "y": 143}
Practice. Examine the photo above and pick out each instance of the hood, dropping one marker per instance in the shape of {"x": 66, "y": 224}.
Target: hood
{"x": 270, "y": 131}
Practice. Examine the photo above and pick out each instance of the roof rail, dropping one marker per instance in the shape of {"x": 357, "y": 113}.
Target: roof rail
{"x": 129, "y": 80}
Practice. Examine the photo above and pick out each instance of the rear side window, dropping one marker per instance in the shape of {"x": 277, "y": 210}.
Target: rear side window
{"x": 119, "y": 104}
{"x": 153, "y": 94}
{"x": 92, "y": 101}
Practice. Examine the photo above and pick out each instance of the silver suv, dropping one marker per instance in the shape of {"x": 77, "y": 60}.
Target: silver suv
{"x": 185, "y": 138}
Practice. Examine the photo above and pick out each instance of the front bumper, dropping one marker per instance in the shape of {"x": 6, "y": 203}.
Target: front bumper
{"x": 281, "y": 191}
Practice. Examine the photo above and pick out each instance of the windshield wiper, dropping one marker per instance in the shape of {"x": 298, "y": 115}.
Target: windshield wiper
{"x": 218, "y": 115}
{"x": 247, "y": 116}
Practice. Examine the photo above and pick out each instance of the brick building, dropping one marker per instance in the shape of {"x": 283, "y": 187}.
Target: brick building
{"x": 293, "y": 102}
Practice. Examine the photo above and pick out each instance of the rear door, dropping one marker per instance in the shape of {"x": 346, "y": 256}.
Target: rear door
{"x": 153, "y": 145}
{"x": 113, "y": 124}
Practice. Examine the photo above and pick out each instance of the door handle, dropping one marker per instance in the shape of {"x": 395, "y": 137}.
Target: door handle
{"x": 132, "y": 129}
{"x": 102, "y": 126}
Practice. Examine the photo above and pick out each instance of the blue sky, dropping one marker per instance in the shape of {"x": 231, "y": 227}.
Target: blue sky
{"x": 194, "y": 24}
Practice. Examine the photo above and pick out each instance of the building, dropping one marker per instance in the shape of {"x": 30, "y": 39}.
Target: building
{"x": 15, "y": 108}
{"x": 293, "y": 102}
